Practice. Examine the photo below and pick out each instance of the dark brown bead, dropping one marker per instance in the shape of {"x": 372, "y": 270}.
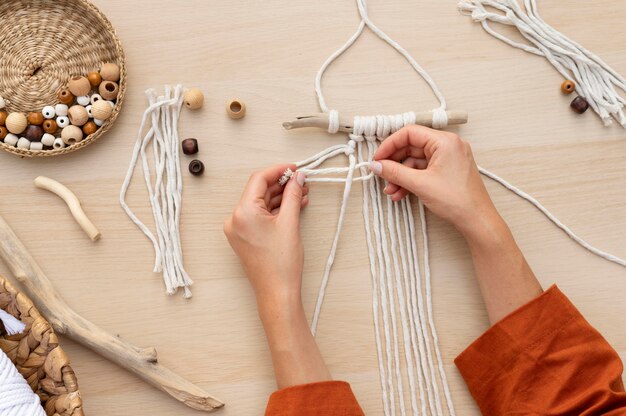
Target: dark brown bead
{"x": 50, "y": 126}
{"x": 35, "y": 118}
{"x": 3, "y": 117}
{"x": 568, "y": 86}
{"x": 190, "y": 146}
{"x": 33, "y": 133}
{"x": 196, "y": 167}
{"x": 579, "y": 105}
{"x": 3, "y": 132}
{"x": 66, "y": 97}
{"x": 89, "y": 128}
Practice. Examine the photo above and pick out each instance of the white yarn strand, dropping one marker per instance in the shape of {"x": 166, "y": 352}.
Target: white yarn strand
{"x": 165, "y": 190}
{"x": 595, "y": 80}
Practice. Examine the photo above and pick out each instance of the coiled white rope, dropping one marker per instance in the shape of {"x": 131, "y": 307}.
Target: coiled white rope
{"x": 16, "y": 396}
{"x": 165, "y": 194}
{"x": 595, "y": 80}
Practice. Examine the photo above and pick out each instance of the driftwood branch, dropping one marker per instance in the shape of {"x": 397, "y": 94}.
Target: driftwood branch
{"x": 320, "y": 121}
{"x": 73, "y": 203}
{"x": 142, "y": 362}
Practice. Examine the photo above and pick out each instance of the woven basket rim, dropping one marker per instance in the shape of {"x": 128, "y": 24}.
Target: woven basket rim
{"x": 20, "y": 306}
{"x": 91, "y": 8}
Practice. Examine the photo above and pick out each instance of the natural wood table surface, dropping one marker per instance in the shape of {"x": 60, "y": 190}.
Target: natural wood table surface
{"x": 267, "y": 53}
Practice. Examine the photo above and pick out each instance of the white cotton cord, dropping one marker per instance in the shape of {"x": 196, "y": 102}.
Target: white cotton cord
{"x": 595, "y": 80}
{"x": 440, "y": 118}
{"x": 165, "y": 189}
{"x": 12, "y": 325}
{"x": 16, "y": 396}
{"x": 607, "y": 256}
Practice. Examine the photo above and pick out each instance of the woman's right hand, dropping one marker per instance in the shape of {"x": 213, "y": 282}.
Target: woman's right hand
{"x": 439, "y": 168}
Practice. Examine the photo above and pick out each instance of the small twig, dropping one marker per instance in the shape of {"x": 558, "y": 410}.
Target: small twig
{"x": 320, "y": 120}
{"x": 72, "y": 202}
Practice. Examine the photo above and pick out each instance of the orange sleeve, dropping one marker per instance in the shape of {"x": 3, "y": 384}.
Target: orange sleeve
{"x": 544, "y": 358}
{"x": 328, "y": 398}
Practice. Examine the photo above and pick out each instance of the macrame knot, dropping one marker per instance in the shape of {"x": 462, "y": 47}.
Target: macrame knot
{"x": 350, "y": 147}
{"x": 440, "y": 118}
{"x": 333, "y": 121}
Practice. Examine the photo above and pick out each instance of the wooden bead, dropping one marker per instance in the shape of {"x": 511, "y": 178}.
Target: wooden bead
{"x": 79, "y": 86}
{"x": 48, "y": 112}
{"x": 90, "y": 128}
{"x": 94, "y": 98}
{"x": 61, "y": 109}
{"x": 11, "y": 139}
{"x": 35, "y": 118}
{"x": 193, "y": 99}
{"x": 99, "y": 123}
{"x": 101, "y": 110}
{"x": 3, "y": 132}
{"x": 63, "y": 122}
{"x": 94, "y": 78}
{"x": 83, "y": 100}
{"x": 23, "y": 143}
{"x": 33, "y": 133}
{"x": 71, "y": 135}
{"x": 16, "y": 123}
{"x": 50, "y": 126}
{"x": 47, "y": 139}
{"x": 236, "y": 109}
{"x": 568, "y": 86}
{"x": 58, "y": 143}
{"x": 3, "y": 117}
{"x": 66, "y": 97}
{"x": 78, "y": 115}
{"x": 36, "y": 146}
{"x": 110, "y": 72}
{"x": 579, "y": 105}
{"x": 190, "y": 146}
{"x": 196, "y": 167}
{"x": 109, "y": 90}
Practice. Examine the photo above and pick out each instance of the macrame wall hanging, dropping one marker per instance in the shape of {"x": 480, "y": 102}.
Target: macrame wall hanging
{"x": 596, "y": 82}
{"x": 405, "y": 334}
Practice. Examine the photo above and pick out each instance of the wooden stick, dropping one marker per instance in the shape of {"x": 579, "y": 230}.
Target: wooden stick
{"x": 320, "y": 120}
{"x": 142, "y": 362}
{"x": 72, "y": 202}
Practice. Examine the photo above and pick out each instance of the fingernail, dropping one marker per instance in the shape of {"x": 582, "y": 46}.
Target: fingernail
{"x": 376, "y": 167}
{"x": 386, "y": 190}
{"x": 300, "y": 177}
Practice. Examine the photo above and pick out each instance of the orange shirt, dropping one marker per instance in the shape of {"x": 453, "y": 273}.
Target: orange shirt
{"x": 542, "y": 359}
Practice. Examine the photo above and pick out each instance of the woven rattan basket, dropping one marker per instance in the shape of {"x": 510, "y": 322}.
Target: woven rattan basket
{"x": 43, "y": 43}
{"x": 38, "y": 357}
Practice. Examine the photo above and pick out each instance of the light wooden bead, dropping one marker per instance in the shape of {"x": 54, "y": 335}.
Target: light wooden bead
{"x": 110, "y": 72}
{"x": 94, "y": 79}
{"x": 90, "y": 128}
{"x": 79, "y": 86}
{"x": 16, "y": 123}
{"x": 99, "y": 123}
{"x": 101, "y": 110}
{"x": 47, "y": 139}
{"x": 109, "y": 90}
{"x": 194, "y": 99}
{"x": 48, "y": 112}
{"x": 71, "y": 135}
{"x": 36, "y": 146}
{"x": 58, "y": 143}
{"x": 88, "y": 108}
{"x": 3, "y": 117}
{"x": 94, "y": 98}
{"x": 63, "y": 122}
{"x": 23, "y": 143}
{"x": 66, "y": 97}
{"x": 61, "y": 109}
{"x": 50, "y": 126}
{"x": 78, "y": 115}
{"x": 83, "y": 100}
{"x": 236, "y": 109}
{"x": 11, "y": 139}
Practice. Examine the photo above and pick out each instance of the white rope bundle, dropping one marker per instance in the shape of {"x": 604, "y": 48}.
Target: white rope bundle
{"x": 16, "y": 396}
{"x": 596, "y": 81}
{"x": 406, "y": 338}
{"x": 165, "y": 193}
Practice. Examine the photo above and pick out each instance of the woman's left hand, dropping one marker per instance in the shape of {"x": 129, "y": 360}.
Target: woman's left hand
{"x": 264, "y": 231}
